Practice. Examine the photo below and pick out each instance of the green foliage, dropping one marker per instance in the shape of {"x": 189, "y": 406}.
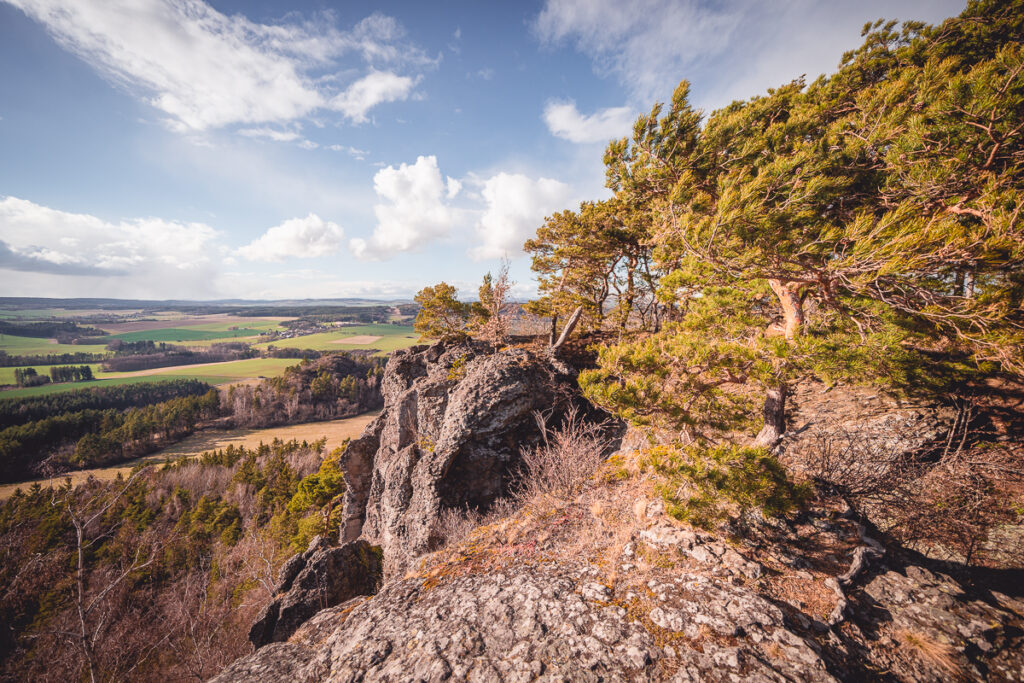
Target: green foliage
{"x": 318, "y": 489}
{"x": 212, "y": 519}
{"x": 457, "y": 370}
{"x": 441, "y": 314}
{"x": 823, "y": 230}
{"x": 700, "y": 483}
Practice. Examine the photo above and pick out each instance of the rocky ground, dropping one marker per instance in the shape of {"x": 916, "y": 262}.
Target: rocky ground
{"x": 604, "y": 585}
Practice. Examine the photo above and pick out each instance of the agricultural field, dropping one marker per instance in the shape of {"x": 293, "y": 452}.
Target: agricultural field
{"x": 212, "y": 373}
{"x": 63, "y": 313}
{"x": 29, "y": 346}
{"x": 384, "y": 338}
{"x": 7, "y": 374}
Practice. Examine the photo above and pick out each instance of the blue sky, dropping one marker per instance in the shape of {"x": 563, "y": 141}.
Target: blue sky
{"x": 310, "y": 149}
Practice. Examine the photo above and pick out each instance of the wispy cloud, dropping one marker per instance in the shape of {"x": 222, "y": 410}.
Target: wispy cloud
{"x": 206, "y": 70}
{"x": 730, "y": 49}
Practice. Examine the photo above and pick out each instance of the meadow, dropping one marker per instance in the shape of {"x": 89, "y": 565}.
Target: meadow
{"x": 31, "y": 346}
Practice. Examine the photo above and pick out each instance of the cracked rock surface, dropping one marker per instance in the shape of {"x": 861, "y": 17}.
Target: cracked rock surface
{"x": 542, "y": 623}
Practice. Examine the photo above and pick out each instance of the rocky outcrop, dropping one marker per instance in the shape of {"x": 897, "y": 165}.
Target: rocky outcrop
{"x": 321, "y": 577}
{"x": 546, "y": 623}
{"x": 455, "y": 418}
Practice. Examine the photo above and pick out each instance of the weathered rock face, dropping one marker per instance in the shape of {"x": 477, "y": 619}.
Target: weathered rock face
{"x": 547, "y": 623}
{"x": 454, "y": 421}
{"x": 321, "y": 577}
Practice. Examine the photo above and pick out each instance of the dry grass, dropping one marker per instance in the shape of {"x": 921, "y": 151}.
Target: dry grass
{"x": 941, "y": 657}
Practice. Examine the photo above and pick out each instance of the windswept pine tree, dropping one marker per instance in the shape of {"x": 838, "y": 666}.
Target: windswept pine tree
{"x": 832, "y": 230}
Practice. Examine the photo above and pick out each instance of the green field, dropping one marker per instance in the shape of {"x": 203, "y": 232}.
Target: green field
{"x": 30, "y": 346}
{"x": 392, "y": 337}
{"x": 217, "y": 373}
{"x": 185, "y": 334}
{"x": 7, "y": 374}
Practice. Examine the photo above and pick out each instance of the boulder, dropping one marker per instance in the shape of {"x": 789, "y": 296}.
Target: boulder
{"x": 321, "y": 577}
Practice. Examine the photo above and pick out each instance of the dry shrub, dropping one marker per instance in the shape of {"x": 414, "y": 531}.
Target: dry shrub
{"x": 944, "y": 502}
{"x": 567, "y": 459}
{"x": 198, "y": 479}
{"x": 454, "y": 524}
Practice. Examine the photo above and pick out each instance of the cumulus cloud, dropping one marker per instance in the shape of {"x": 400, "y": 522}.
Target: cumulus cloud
{"x": 270, "y": 133}
{"x": 371, "y": 90}
{"x": 729, "y": 49}
{"x": 413, "y": 211}
{"x": 564, "y": 120}
{"x": 131, "y": 258}
{"x": 309, "y": 237}
{"x": 205, "y": 70}
{"x": 516, "y": 207}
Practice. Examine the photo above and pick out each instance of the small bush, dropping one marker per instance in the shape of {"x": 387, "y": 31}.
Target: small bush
{"x": 566, "y": 460}
{"x": 699, "y": 482}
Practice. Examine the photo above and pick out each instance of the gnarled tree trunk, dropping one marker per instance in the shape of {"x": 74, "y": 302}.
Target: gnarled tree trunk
{"x": 792, "y": 306}
{"x": 774, "y": 417}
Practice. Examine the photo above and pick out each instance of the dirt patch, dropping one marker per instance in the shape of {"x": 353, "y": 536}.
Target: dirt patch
{"x": 169, "y": 370}
{"x": 336, "y": 432}
{"x": 358, "y": 339}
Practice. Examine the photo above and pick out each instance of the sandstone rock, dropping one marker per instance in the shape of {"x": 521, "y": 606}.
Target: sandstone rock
{"x": 537, "y": 624}
{"x": 455, "y": 418}
{"x": 321, "y": 577}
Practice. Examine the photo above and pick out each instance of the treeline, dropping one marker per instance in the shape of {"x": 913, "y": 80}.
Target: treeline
{"x": 64, "y": 331}
{"x": 30, "y": 377}
{"x": 333, "y": 386}
{"x": 8, "y": 361}
{"x": 184, "y": 556}
{"x": 22, "y": 410}
{"x": 168, "y": 355}
{"x": 93, "y": 437}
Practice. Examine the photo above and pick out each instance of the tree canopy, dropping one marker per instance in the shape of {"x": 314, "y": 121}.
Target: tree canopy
{"x": 835, "y": 230}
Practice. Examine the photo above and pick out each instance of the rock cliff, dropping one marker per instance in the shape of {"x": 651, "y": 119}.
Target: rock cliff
{"x": 454, "y": 421}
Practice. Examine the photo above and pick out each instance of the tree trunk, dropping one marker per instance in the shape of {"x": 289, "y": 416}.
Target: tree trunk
{"x": 570, "y": 325}
{"x": 554, "y": 329}
{"x": 792, "y": 306}
{"x": 774, "y": 417}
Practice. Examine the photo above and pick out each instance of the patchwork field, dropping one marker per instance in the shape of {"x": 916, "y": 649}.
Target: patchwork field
{"x": 386, "y": 338}
{"x": 30, "y": 346}
{"x": 336, "y": 431}
{"x": 212, "y": 373}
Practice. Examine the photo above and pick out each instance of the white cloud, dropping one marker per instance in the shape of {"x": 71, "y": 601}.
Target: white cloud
{"x": 205, "y": 70}
{"x": 413, "y": 213}
{"x": 373, "y": 89}
{"x": 564, "y": 120}
{"x": 308, "y": 237}
{"x": 453, "y": 185}
{"x": 516, "y": 207}
{"x": 130, "y": 258}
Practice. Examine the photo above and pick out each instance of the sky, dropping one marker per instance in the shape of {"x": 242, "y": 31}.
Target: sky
{"x": 293, "y": 149}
